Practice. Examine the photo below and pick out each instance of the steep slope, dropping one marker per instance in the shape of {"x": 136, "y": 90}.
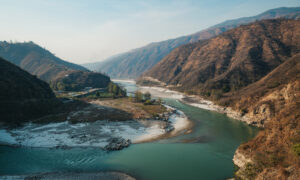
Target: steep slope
{"x": 78, "y": 80}
{"x": 132, "y": 64}
{"x": 229, "y": 61}
{"x": 255, "y": 70}
{"x": 22, "y": 96}
{"x": 274, "y": 101}
{"x": 35, "y": 59}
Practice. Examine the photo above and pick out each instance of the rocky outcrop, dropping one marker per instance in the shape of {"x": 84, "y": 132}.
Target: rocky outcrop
{"x": 240, "y": 159}
{"x": 270, "y": 155}
{"x": 116, "y": 144}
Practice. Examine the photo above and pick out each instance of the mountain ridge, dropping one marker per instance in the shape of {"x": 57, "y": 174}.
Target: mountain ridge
{"x": 22, "y": 95}
{"x": 133, "y": 63}
{"x": 262, "y": 61}
{"x": 36, "y": 60}
{"x": 231, "y": 60}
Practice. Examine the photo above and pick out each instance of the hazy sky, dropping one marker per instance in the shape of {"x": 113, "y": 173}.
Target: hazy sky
{"x": 83, "y": 31}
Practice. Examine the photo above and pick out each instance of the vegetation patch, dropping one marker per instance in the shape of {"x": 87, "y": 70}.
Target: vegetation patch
{"x": 296, "y": 149}
{"x": 250, "y": 171}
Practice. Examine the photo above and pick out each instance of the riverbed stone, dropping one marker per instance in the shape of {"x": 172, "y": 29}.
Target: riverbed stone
{"x": 116, "y": 144}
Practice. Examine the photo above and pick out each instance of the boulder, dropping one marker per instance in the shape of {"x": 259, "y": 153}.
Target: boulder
{"x": 116, "y": 144}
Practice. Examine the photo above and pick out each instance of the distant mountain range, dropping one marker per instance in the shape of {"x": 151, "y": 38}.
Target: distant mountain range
{"x": 133, "y": 63}
{"x": 36, "y": 60}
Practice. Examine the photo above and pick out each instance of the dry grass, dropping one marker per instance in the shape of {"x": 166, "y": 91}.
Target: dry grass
{"x": 138, "y": 110}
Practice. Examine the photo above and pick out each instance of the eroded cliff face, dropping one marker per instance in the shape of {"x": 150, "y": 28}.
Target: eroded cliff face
{"x": 272, "y": 154}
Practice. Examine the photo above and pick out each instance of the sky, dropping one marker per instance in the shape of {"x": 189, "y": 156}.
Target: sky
{"x": 82, "y": 31}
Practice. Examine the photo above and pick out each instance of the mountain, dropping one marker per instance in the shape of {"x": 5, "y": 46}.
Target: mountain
{"x": 36, "y": 60}
{"x": 22, "y": 95}
{"x": 78, "y": 80}
{"x": 254, "y": 70}
{"x": 275, "y": 101}
{"x": 132, "y": 64}
{"x": 229, "y": 61}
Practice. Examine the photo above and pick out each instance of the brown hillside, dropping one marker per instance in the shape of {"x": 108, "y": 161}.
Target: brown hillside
{"x": 135, "y": 62}
{"x": 254, "y": 69}
{"x": 275, "y": 101}
{"x": 230, "y": 61}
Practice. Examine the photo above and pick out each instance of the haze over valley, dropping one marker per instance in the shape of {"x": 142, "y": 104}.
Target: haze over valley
{"x": 150, "y": 90}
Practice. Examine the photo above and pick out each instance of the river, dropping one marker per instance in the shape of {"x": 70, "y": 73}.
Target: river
{"x": 205, "y": 153}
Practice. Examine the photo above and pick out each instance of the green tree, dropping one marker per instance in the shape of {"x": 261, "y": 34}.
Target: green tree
{"x": 97, "y": 94}
{"x": 147, "y": 96}
{"x": 60, "y": 86}
{"x": 110, "y": 87}
{"x": 130, "y": 98}
{"x": 148, "y": 102}
{"x": 159, "y": 101}
{"x": 115, "y": 89}
{"x": 138, "y": 96}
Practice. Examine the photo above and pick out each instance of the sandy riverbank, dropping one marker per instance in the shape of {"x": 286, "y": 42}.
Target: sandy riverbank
{"x": 90, "y": 134}
{"x": 195, "y": 101}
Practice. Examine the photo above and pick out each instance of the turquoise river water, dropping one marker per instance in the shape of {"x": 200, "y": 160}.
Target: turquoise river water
{"x": 205, "y": 153}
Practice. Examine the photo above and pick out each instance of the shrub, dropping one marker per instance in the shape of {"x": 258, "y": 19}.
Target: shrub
{"x": 250, "y": 171}
{"x": 148, "y": 102}
{"x": 244, "y": 111}
{"x": 116, "y": 90}
{"x": 138, "y": 96}
{"x": 296, "y": 149}
{"x": 147, "y": 96}
{"x": 159, "y": 101}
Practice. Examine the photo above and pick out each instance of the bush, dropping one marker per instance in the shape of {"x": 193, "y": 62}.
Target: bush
{"x": 159, "y": 101}
{"x": 244, "y": 111}
{"x": 148, "y": 102}
{"x": 138, "y": 96}
{"x": 147, "y": 96}
{"x": 116, "y": 90}
{"x": 296, "y": 149}
{"x": 250, "y": 171}
{"x": 216, "y": 94}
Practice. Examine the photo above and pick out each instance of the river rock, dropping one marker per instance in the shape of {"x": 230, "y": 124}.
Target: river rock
{"x": 117, "y": 144}
{"x": 169, "y": 127}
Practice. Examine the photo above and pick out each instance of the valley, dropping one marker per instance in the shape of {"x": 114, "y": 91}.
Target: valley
{"x": 210, "y": 143}
{"x": 221, "y": 103}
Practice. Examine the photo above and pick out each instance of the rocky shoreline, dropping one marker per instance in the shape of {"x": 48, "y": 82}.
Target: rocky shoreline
{"x": 209, "y": 105}
{"x": 239, "y": 159}
{"x": 101, "y": 134}
{"x": 199, "y": 102}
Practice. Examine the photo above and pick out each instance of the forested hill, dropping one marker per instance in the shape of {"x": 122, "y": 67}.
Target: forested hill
{"x": 36, "y": 60}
